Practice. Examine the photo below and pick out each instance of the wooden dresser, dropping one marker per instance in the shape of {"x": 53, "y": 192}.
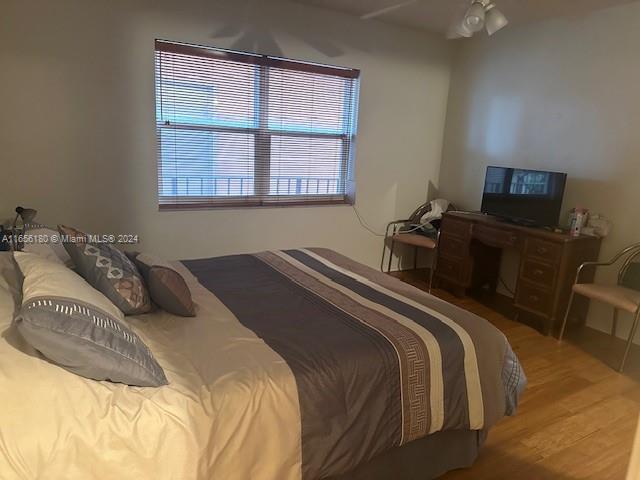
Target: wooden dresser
{"x": 469, "y": 257}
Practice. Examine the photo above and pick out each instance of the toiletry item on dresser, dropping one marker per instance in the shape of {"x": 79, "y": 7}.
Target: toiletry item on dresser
{"x": 579, "y": 217}
{"x": 597, "y": 226}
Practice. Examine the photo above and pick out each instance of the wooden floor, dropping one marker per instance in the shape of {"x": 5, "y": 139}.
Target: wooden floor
{"x": 576, "y": 419}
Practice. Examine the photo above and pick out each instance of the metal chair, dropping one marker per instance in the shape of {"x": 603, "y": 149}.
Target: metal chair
{"x": 625, "y": 295}
{"x": 400, "y": 231}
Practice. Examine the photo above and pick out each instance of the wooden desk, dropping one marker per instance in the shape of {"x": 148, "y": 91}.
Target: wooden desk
{"x": 469, "y": 256}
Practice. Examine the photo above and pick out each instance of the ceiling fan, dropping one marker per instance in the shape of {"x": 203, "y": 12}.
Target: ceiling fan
{"x": 250, "y": 33}
{"x": 481, "y": 14}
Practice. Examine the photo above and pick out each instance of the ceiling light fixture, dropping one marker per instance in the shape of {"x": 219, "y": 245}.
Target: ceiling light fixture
{"x": 482, "y": 14}
{"x": 494, "y": 19}
{"x": 474, "y": 18}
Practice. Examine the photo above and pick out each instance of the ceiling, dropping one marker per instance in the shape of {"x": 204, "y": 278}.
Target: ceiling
{"x": 437, "y": 15}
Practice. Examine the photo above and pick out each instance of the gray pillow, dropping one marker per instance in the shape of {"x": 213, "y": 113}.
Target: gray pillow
{"x": 167, "y": 287}
{"x": 108, "y": 270}
{"x": 77, "y": 328}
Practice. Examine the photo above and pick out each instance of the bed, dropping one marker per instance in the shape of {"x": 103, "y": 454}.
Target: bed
{"x": 300, "y": 364}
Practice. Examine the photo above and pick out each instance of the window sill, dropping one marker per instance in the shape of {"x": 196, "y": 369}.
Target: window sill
{"x": 251, "y": 204}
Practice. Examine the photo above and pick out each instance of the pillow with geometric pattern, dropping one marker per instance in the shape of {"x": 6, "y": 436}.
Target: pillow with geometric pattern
{"x": 108, "y": 270}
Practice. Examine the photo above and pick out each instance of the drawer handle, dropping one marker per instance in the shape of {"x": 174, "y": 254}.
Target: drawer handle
{"x": 542, "y": 250}
{"x": 534, "y": 298}
{"x": 538, "y": 272}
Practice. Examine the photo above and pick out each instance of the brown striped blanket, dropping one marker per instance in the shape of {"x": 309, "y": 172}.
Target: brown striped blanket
{"x": 375, "y": 363}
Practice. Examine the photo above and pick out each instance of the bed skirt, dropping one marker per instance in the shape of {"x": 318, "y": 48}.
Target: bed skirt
{"x": 423, "y": 459}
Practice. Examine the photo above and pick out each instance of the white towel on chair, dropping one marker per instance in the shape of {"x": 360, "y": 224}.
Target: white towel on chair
{"x": 438, "y": 207}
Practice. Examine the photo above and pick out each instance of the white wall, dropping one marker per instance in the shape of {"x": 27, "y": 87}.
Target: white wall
{"x": 558, "y": 95}
{"x": 78, "y": 136}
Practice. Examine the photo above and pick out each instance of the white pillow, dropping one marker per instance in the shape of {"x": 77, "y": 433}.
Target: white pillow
{"x": 47, "y": 278}
{"x": 46, "y": 243}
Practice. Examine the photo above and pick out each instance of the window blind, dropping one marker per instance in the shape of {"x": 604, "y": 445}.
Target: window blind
{"x": 241, "y": 129}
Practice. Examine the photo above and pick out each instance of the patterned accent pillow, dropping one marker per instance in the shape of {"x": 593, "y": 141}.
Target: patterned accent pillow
{"x": 108, "y": 270}
{"x": 167, "y": 287}
{"x": 78, "y": 328}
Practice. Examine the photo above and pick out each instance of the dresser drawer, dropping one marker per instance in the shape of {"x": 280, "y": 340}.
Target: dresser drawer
{"x": 495, "y": 237}
{"x": 456, "y": 228}
{"x": 535, "y": 299}
{"x": 452, "y": 246}
{"x": 543, "y": 250}
{"x": 538, "y": 272}
{"x": 451, "y": 269}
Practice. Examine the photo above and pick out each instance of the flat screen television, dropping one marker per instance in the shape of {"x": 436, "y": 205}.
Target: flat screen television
{"x": 528, "y": 197}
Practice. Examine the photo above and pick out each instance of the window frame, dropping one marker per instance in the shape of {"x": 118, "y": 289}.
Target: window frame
{"x": 263, "y": 134}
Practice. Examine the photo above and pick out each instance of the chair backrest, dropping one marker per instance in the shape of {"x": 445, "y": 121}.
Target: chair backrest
{"x": 419, "y": 212}
{"x": 629, "y": 275}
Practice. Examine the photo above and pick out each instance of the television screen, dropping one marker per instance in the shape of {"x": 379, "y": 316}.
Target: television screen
{"x": 525, "y": 196}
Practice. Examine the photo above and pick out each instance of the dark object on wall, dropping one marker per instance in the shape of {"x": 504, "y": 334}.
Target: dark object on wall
{"x": 528, "y": 197}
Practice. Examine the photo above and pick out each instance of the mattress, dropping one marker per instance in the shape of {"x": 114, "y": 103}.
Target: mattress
{"x": 299, "y": 364}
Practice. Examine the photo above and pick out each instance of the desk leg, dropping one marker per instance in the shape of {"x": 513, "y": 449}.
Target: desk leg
{"x": 547, "y": 329}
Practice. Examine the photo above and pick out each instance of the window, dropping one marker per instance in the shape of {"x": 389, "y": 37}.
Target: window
{"x": 238, "y": 129}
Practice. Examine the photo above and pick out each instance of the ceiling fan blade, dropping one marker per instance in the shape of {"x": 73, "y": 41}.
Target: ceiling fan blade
{"x": 391, "y": 8}
{"x": 227, "y": 31}
{"x": 266, "y": 43}
{"x": 245, "y": 43}
{"x": 322, "y": 45}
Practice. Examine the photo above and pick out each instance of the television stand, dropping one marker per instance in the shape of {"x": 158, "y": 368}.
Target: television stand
{"x": 469, "y": 257}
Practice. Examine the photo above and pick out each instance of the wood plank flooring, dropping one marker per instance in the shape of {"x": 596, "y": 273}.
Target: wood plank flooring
{"x": 576, "y": 420}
